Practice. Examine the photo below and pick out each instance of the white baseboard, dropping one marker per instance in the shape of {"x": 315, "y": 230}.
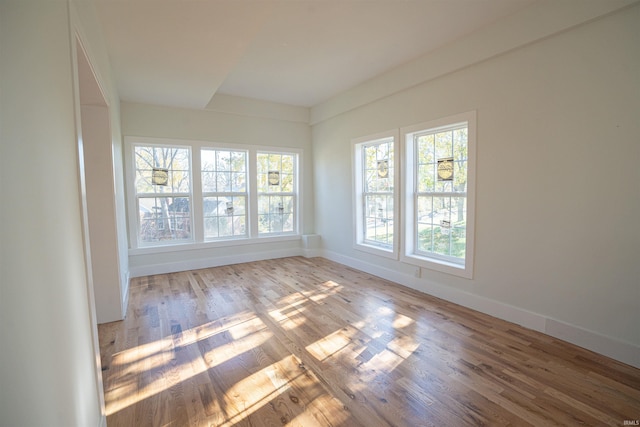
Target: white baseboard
{"x": 196, "y": 264}
{"x": 622, "y": 351}
{"x": 311, "y": 253}
{"x": 619, "y": 350}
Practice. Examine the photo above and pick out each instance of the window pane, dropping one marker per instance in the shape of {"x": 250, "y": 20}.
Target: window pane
{"x": 426, "y": 149}
{"x": 458, "y": 242}
{"x": 262, "y": 182}
{"x": 238, "y": 182}
{"x": 223, "y": 161}
{"x": 460, "y": 176}
{"x": 441, "y": 243}
{"x": 208, "y": 182}
{"x": 223, "y": 182}
{"x": 444, "y": 144}
{"x": 164, "y": 218}
{"x": 425, "y": 210}
{"x": 460, "y": 143}
{"x": 425, "y": 237}
{"x": 441, "y": 210}
{"x": 426, "y": 177}
{"x": 287, "y": 164}
{"x": 287, "y": 182}
{"x": 208, "y": 160}
{"x": 238, "y": 161}
{"x": 459, "y": 211}
{"x": 179, "y": 181}
{"x": 275, "y": 161}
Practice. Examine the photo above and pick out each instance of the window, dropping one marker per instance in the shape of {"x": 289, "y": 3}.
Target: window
{"x": 277, "y": 192}
{"x": 440, "y": 194}
{"x": 200, "y": 193}
{"x": 224, "y": 191}
{"x": 375, "y": 179}
{"x": 162, "y": 193}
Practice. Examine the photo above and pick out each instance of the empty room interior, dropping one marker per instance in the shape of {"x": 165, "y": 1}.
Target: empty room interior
{"x": 320, "y": 213}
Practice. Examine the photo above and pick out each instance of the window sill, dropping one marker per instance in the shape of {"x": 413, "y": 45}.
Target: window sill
{"x": 460, "y": 270}
{"x": 190, "y": 246}
{"x": 377, "y": 250}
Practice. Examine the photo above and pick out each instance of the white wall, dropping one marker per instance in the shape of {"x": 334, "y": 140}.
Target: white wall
{"x": 98, "y": 165}
{"x": 47, "y": 359}
{"x": 235, "y": 121}
{"x": 106, "y": 171}
{"x": 558, "y": 200}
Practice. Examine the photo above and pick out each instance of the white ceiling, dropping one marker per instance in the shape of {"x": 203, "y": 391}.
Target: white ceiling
{"x": 297, "y": 52}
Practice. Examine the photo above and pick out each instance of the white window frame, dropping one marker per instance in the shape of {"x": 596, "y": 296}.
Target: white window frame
{"x": 134, "y": 199}
{"x": 293, "y": 194}
{"x": 231, "y": 193}
{"x": 197, "y": 240}
{"x": 411, "y": 255}
{"x": 359, "y": 222}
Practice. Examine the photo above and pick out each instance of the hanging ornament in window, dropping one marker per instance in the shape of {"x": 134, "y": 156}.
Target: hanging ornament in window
{"x": 445, "y": 169}
{"x": 280, "y": 208}
{"x": 383, "y": 168}
{"x": 229, "y": 208}
{"x": 160, "y": 176}
{"x": 274, "y": 177}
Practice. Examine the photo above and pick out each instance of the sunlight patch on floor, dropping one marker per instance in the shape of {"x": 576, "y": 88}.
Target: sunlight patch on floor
{"x": 330, "y": 345}
{"x": 152, "y": 361}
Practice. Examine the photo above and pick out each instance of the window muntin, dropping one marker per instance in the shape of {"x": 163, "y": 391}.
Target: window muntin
{"x": 162, "y": 193}
{"x": 277, "y": 192}
{"x": 224, "y": 191}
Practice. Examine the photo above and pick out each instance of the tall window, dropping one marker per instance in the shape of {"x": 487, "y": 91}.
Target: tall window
{"x": 440, "y": 193}
{"x": 277, "y": 192}
{"x": 375, "y": 186}
{"x": 162, "y": 193}
{"x": 224, "y": 191}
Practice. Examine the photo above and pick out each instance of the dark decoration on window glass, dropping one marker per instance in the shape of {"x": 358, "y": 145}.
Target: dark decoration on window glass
{"x": 280, "y": 208}
{"x": 274, "y": 177}
{"x": 160, "y": 176}
{"x": 445, "y": 169}
{"x": 445, "y": 223}
{"x": 229, "y": 208}
{"x": 383, "y": 168}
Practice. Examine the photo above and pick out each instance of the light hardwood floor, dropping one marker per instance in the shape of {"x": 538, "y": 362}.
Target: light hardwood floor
{"x": 308, "y": 342}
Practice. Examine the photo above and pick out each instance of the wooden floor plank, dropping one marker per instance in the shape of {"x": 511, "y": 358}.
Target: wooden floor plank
{"x": 310, "y": 342}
